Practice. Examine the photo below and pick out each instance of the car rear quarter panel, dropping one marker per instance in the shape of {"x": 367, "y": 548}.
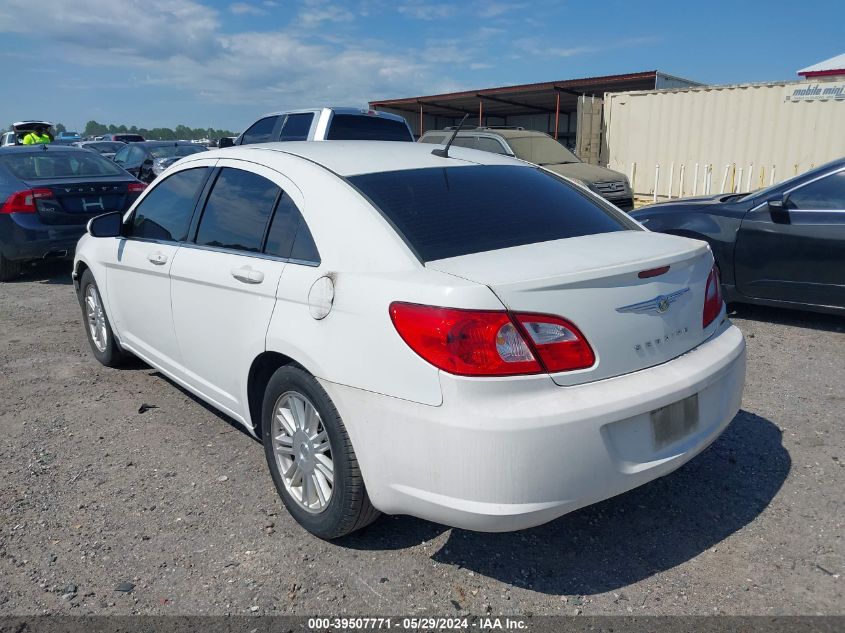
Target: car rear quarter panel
{"x": 719, "y": 231}
{"x": 370, "y": 267}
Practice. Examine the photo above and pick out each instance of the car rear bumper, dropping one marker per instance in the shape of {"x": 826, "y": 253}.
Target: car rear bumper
{"x": 24, "y": 237}
{"x": 507, "y": 455}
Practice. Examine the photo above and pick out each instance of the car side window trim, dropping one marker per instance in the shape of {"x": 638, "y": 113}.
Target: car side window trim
{"x": 253, "y": 254}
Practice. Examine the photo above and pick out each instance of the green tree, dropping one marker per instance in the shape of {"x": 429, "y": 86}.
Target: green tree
{"x": 59, "y": 127}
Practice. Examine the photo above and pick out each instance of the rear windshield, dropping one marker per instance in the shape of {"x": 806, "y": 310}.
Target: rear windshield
{"x": 104, "y": 146}
{"x": 169, "y": 151}
{"x": 30, "y": 166}
{"x": 453, "y": 211}
{"x": 129, "y": 138}
{"x": 361, "y": 127}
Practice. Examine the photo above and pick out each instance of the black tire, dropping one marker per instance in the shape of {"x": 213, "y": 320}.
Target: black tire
{"x": 9, "y": 270}
{"x": 112, "y": 355}
{"x": 349, "y": 507}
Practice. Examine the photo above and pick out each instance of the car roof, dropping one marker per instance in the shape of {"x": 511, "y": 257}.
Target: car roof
{"x": 158, "y": 143}
{"x": 339, "y": 110}
{"x": 40, "y": 147}
{"x": 503, "y": 132}
{"x": 350, "y": 158}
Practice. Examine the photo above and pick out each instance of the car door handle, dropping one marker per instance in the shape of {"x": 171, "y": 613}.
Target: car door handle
{"x": 247, "y": 275}
{"x": 158, "y": 258}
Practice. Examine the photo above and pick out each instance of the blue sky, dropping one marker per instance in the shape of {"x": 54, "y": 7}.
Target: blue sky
{"x": 221, "y": 64}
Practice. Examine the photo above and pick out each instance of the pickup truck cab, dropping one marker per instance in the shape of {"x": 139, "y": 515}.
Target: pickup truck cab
{"x": 324, "y": 124}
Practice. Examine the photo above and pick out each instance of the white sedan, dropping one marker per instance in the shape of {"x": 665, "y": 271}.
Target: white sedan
{"x": 468, "y": 339}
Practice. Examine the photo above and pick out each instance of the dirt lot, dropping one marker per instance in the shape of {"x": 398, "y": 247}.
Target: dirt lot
{"x": 177, "y": 501}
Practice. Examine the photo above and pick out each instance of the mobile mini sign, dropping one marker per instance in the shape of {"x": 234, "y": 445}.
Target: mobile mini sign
{"x": 817, "y": 92}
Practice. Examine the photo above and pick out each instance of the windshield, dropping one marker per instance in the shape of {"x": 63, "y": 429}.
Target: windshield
{"x": 171, "y": 151}
{"x": 541, "y": 150}
{"x": 448, "y": 212}
{"x": 81, "y": 164}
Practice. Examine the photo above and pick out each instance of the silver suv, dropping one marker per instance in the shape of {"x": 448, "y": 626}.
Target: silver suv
{"x": 325, "y": 124}
{"x": 541, "y": 149}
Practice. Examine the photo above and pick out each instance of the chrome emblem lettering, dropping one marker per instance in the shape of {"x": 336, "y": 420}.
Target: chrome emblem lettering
{"x": 659, "y": 305}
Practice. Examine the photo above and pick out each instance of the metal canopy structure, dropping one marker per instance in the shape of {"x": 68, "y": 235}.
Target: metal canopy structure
{"x": 551, "y": 97}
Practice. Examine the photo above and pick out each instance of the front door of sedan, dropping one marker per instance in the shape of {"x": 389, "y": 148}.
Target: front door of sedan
{"x": 224, "y": 282}
{"x": 138, "y": 279}
{"x": 795, "y": 251}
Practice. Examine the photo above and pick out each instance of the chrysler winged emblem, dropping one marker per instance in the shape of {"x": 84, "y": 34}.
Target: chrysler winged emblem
{"x": 658, "y": 305}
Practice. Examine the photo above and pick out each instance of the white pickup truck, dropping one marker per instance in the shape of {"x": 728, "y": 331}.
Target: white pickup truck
{"x": 325, "y": 124}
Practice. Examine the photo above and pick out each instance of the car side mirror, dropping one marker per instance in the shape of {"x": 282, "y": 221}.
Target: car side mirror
{"x": 106, "y": 225}
{"x": 225, "y": 142}
{"x": 778, "y": 208}
{"x": 777, "y": 203}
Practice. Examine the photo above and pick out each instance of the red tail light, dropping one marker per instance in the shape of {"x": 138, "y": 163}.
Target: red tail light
{"x": 136, "y": 187}
{"x": 490, "y": 343}
{"x": 559, "y": 344}
{"x": 712, "y": 298}
{"x": 24, "y": 201}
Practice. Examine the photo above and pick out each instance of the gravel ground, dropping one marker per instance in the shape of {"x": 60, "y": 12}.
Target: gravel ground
{"x": 172, "y": 511}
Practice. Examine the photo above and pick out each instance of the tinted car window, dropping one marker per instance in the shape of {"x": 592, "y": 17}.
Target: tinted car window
{"x": 465, "y": 141}
{"x": 362, "y": 127}
{"x": 129, "y": 138}
{"x": 296, "y": 127}
{"x": 136, "y": 155}
{"x": 289, "y": 235}
{"x": 76, "y": 163}
{"x": 260, "y": 131}
{"x": 490, "y": 145}
{"x": 169, "y": 151}
{"x": 237, "y": 211}
{"x": 304, "y": 249}
{"x": 165, "y": 212}
{"x": 446, "y": 212}
{"x": 437, "y": 139}
{"x": 823, "y": 194}
{"x": 122, "y": 153}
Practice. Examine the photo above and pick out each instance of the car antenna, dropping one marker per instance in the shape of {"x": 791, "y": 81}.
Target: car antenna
{"x": 443, "y": 152}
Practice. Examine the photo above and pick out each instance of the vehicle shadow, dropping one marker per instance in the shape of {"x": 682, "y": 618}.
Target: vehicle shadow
{"x": 785, "y": 316}
{"x": 624, "y": 539}
{"x": 52, "y": 272}
{"x": 218, "y": 414}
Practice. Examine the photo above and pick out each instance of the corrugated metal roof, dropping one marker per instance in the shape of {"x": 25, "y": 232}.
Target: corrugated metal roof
{"x": 834, "y": 63}
{"x": 522, "y": 99}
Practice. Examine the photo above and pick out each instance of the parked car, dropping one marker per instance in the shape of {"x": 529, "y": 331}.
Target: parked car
{"x": 106, "y": 149}
{"x": 780, "y": 246}
{"x": 541, "y": 149}
{"x": 20, "y": 129}
{"x": 470, "y": 339}
{"x": 324, "y": 124}
{"x": 67, "y": 138}
{"x": 148, "y": 159}
{"x": 123, "y": 138}
{"x": 47, "y": 194}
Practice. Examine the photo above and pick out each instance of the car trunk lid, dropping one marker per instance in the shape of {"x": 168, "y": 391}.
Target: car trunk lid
{"x": 75, "y": 201}
{"x": 595, "y": 282}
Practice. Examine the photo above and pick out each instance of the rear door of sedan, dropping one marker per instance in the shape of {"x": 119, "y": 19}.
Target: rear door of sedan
{"x": 224, "y": 281}
{"x": 796, "y": 254}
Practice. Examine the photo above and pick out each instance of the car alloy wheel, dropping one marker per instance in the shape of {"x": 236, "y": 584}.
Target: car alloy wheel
{"x": 96, "y": 318}
{"x": 303, "y": 451}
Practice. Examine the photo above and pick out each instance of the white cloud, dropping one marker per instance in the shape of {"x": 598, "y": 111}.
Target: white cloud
{"x": 318, "y": 14}
{"x": 486, "y": 9}
{"x": 421, "y": 10}
{"x": 244, "y": 8}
